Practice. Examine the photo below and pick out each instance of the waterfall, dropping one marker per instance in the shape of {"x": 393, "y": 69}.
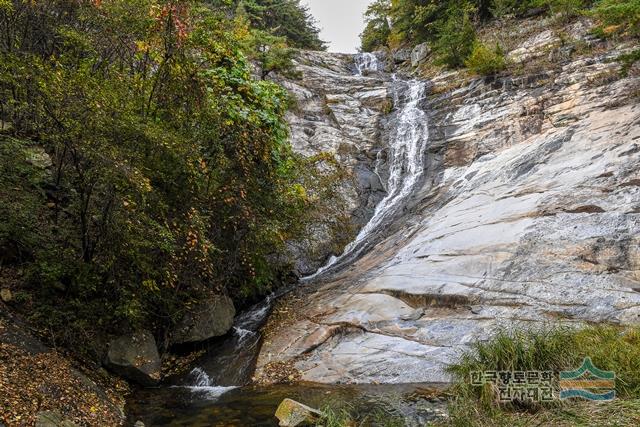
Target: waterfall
{"x": 203, "y": 385}
{"x": 405, "y": 159}
{"x": 229, "y": 363}
{"x": 367, "y": 62}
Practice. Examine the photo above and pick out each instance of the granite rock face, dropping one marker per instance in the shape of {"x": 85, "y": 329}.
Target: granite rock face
{"x": 419, "y": 54}
{"x": 529, "y": 213}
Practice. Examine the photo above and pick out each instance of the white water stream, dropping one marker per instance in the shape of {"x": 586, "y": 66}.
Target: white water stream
{"x": 405, "y": 156}
{"x": 367, "y": 62}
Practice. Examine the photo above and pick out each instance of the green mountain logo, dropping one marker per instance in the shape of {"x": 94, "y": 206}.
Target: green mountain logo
{"x": 588, "y": 382}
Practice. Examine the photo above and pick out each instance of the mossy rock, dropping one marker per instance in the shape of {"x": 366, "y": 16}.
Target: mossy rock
{"x": 292, "y": 413}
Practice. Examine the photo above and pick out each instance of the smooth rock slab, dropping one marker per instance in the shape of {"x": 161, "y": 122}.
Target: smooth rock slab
{"x": 529, "y": 216}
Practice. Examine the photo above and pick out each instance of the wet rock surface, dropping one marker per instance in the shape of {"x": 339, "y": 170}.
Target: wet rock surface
{"x": 529, "y": 213}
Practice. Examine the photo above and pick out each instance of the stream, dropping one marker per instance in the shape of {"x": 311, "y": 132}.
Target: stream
{"x": 217, "y": 391}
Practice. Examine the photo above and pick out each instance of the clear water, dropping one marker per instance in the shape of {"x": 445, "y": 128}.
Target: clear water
{"x": 409, "y": 405}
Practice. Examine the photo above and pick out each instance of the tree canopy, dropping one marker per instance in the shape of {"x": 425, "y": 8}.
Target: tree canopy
{"x": 449, "y": 26}
{"x": 285, "y": 18}
{"x": 142, "y": 165}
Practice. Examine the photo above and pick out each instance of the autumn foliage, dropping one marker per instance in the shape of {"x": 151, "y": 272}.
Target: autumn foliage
{"x": 165, "y": 171}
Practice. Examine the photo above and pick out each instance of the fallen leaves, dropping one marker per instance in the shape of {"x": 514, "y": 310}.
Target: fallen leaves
{"x": 279, "y": 373}
{"x": 174, "y": 365}
{"x": 47, "y": 382}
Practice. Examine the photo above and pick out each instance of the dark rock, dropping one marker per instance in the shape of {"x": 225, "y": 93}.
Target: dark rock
{"x": 135, "y": 357}
{"x": 532, "y": 13}
{"x": 419, "y": 54}
{"x": 208, "y": 319}
{"x": 401, "y": 55}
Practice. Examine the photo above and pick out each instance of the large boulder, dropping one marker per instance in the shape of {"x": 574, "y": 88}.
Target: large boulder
{"x": 291, "y": 414}
{"x": 6, "y": 295}
{"x": 208, "y": 319}
{"x": 401, "y": 55}
{"x": 419, "y": 54}
{"x": 135, "y": 357}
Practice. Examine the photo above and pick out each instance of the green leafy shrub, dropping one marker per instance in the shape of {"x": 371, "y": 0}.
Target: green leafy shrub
{"x": 565, "y": 9}
{"x": 272, "y": 54}
{"x": 24, "y": 203}
{"x": 290, "y": 20}
{"x": 170, "y": 175}
{"x": 456, "y": 37}
{"x": 619, "y": 16}
{"x": 627, "y": 60}
{"x": 377, "y": 30}
{"x": 486, "y": 61}
{"x": 503, "y": 8}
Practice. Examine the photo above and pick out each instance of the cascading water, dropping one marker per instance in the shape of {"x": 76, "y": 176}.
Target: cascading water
{"x": 203, "y": 385}
{"x": 367, "y": 62}
{"x": 405, "y": 159}
{"x": 229, "y": 364}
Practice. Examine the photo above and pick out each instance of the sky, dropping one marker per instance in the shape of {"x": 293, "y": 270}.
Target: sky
{"x": 341, "y": 22}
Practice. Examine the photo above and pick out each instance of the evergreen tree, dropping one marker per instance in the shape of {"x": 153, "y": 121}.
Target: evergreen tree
{"x": 377, "y": 31}
{"x": 284, "y": 18}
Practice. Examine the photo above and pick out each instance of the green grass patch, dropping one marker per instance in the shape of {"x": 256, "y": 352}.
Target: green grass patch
{"x": 549, "y": 349}
{"x": 618, "y": 17}
{"x": 346, "y": 417}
